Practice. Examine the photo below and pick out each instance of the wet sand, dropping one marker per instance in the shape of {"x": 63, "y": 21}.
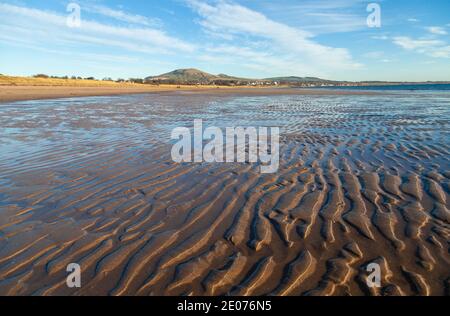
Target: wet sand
{"x": 10, "y": 93}
{"x": 363, "y": 179}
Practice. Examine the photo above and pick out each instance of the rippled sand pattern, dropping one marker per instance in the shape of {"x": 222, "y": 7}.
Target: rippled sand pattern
{"x": 362, "y": 179}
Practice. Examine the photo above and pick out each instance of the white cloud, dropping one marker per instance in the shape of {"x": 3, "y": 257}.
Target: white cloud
{"x": 441, "y": 52}
{"x": 333, "y": 22}
{"x": 88, "y": 56}
{"x": 321, "y": 16}
{"x": 378, "y": 55}
{"x": 381, "y": 37}
{"x": 49, "y": 29}
{"x": 374, "y": 55}
{"x": 412, "y": 44}
{"x": 437, "y": 30}
{"x": 321, "y": 5}
{"x": 121, "y": 15}
{"x": 429, "y": 47}
{"x": 261, "y": 60}
{"x": 413, "y": 20}
{"x": 294, "y": 48}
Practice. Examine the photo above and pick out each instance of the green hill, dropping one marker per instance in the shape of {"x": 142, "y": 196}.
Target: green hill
{"x": 293, "y": 79}
{"x": 195, "y": 76}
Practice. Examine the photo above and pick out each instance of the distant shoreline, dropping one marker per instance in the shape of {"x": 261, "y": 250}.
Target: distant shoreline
{"x": 28, "y": 93}
{"x": 14, "y": 88}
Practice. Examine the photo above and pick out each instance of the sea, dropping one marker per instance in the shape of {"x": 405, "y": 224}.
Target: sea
{"x": 404, "y": 87}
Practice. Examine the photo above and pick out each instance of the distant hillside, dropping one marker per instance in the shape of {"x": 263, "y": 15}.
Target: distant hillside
{"x": 223, "y": 76}
{"x": 184, "y": 76}
{"x": 195, "y": 76}
{"x": 293, "y": 79}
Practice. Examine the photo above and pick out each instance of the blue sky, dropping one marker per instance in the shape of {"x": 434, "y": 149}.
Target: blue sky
{"x": 248, "y": 38}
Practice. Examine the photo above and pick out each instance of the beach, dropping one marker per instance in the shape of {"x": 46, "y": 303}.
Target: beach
{"x": 23, "y": 93}
{"x": 363, "y": 178}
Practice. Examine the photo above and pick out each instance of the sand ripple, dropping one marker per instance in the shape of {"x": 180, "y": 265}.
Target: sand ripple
{"x": 362, "y": 179}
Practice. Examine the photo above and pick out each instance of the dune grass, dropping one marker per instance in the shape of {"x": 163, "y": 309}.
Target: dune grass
{"x": 31, "y": 81}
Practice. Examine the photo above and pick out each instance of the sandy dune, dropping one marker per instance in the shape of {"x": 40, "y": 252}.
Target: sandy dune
{"x": 363, "y": 179}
